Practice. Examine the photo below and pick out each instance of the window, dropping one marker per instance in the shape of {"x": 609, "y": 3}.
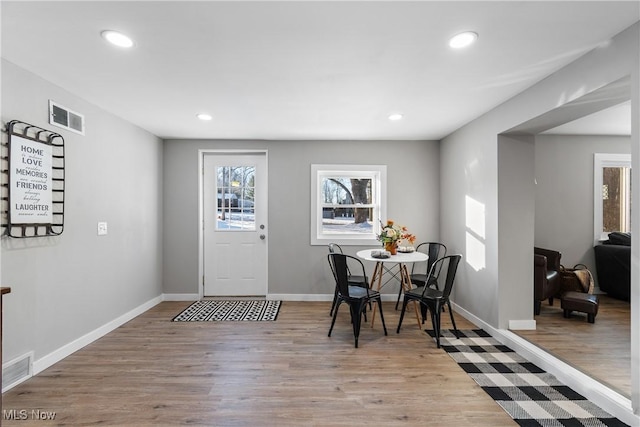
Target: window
{"x": 612, "y": 194}
{"x": 347, "y": 203}
{"x": 235, "y": 189}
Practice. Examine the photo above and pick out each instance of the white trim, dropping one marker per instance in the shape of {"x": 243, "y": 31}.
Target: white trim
{"x": 180, "y": 297}
{"x": 377, "y": 172}
{"x": 602, "y": 160}
{"x": 200, "y": 225}
{"x": 301, "y": 297}
{"x": 522, "y": 325}
{"x": 201, "y": 153}
{"x": 393, "y": 297}
{"x": 75, "y": 345}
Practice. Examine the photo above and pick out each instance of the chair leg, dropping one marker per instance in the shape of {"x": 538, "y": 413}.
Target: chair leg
{"x": 435, "y": 321}
{"x": 381, "y": 316}
{"x": 536, "y": 307}
{"x": 423, "y": 312}
{"x": 453, "y": 322}
{"x": 356, "y": 319}
{"x": 404, "y": 308}
{"x": 335, "y": 314}
{"x": 333, "y": 304}
{"x": 399, "y": 293}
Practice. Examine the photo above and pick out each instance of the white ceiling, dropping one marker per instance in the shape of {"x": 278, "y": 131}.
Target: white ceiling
{"x": 303, "y": 70}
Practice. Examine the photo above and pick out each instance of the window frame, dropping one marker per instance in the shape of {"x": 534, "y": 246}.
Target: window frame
{"x": 378, "y": 175}
{"x": 601, "y": 161}
{"x": 246, "y": 225}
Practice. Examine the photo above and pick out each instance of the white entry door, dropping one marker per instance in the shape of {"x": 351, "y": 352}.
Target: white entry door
{"x": 235, "y": 224}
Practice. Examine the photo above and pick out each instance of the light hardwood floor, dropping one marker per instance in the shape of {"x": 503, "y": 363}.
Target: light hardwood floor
{"x": 601, "y": 349}
{"x": 152, "y": 371}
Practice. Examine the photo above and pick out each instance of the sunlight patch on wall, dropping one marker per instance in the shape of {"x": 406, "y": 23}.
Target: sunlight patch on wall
{"x": 475, "y": 234}
{"x": 475, "y": 252}
{"x": 475, "y": 216}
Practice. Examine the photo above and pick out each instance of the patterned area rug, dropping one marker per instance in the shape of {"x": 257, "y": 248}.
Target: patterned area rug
{"x": 225, "y": 310}
{"x": 531, "y": 396}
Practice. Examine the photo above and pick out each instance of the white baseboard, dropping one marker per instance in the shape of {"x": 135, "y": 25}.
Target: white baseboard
{"x": 68, "y": 349}
{"x": 280, "y": 297}
{"x": 516, "y": 325}
{"x": 301, "y": 297}
{"x": 180, "y": 297}
{"x": 318, "y": 297}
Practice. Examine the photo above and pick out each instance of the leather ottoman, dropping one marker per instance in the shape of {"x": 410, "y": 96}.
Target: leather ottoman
{"x": 579, "y": 301}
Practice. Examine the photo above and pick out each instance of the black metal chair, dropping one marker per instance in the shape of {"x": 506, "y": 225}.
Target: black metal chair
{"x": 354, "y": 280}
{"x": 434, "y": 299}
{"x": 420, "y": 275}
{"x": 357, "y": 297}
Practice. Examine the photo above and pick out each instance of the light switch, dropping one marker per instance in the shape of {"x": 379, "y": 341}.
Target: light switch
{"x": 102, "y": 228}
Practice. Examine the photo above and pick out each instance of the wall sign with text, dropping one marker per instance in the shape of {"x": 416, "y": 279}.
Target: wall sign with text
{"x": 35, "y": 166}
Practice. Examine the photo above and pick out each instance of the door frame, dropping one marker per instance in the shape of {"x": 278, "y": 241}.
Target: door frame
{"x": 204, "y": 152}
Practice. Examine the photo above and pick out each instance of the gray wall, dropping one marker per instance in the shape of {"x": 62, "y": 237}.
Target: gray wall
{"x": 564, "y": 192}
{"x": 67, "y": 286}
{"x": 469, "y": 167}
{"x": 295, "y": 267}
{"x": 516, "y": 218}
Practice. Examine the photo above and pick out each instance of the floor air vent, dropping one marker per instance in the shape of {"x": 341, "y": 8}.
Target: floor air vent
{"x": 63, "y": 117}
{"x": 17, "y": 371}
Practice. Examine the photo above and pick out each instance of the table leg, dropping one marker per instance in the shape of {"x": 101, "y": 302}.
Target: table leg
{"x": 378, "y": 272}
{"x": 407, "y": 286}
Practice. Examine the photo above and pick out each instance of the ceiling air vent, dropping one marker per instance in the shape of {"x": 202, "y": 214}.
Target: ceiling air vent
{"x": 63, "y": 117}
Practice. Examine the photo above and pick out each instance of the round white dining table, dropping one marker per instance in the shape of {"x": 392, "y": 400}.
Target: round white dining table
{"x": 401, "y": 259}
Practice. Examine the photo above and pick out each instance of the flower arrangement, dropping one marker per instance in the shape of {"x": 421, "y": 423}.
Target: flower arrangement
{"x": 392, "y": 233}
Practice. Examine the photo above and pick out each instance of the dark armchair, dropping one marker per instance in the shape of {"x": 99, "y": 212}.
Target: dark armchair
{"x": 613, "y": 265}
{"x": 546, "y": 276}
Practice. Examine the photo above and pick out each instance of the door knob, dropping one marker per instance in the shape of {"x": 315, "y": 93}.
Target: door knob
{"x": 262, "y": 237}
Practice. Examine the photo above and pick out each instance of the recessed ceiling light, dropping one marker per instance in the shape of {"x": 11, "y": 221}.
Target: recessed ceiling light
{"x": 395, "y": 116}
{"x": 463, "y": 39}
{"x": 204, "y": 116}
{"x": 116, "y": 38}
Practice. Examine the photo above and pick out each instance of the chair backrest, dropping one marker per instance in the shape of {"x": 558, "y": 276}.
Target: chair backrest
{"x": 333, "y": 267}
{"x": 553, "y": 257}
{"x": 335, "y": 248}
{"x": 434, "y": 250}
{"x": 451, "y": 262}
{"x": 340, "y": 271}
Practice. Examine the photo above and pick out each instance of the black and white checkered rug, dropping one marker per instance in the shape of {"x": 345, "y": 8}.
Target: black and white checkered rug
{"x": 225, "y": 310}
{"x": 531, "y": 396}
